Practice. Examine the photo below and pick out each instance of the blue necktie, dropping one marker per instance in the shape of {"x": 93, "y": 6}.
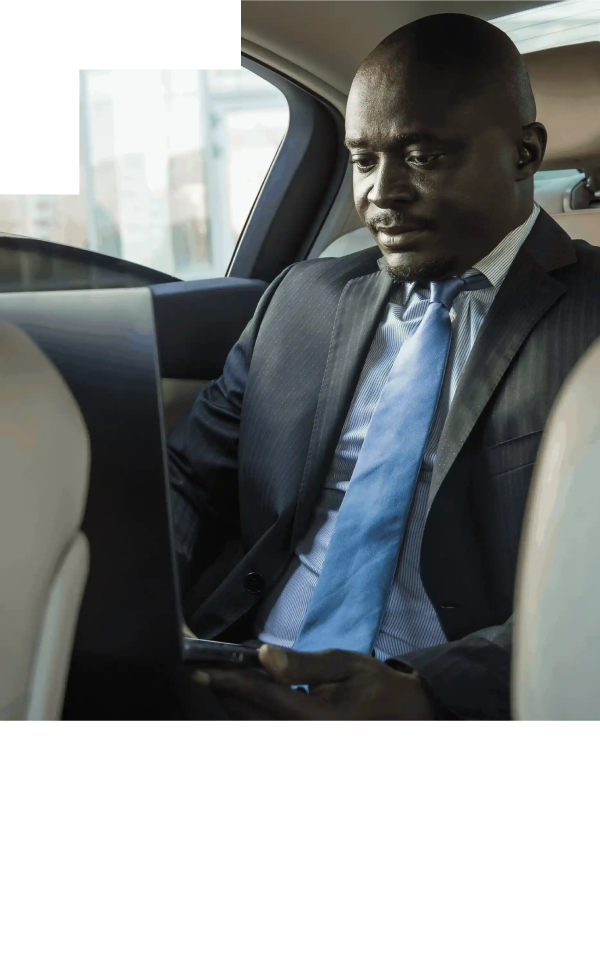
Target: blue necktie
{"x": 349, "y": 600}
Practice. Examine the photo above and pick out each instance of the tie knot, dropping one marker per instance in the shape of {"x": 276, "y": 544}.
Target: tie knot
{"x": 446, "y": 292}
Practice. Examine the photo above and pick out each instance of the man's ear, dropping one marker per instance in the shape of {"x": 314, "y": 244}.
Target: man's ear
{"x": 531, "y": 150}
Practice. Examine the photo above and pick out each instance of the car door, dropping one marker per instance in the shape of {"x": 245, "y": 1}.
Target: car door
{"x": 198, "y": 322}
{"x": 243, "y": 201}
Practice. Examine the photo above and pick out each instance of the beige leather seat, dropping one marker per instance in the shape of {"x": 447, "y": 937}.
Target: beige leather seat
{"x": 44, "y": 467}
{"x": 566, "y": 84}
{"x": 583, "y": 224}
{"x": 556, "y": 663}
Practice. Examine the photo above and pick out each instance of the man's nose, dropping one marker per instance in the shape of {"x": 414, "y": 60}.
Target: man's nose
{"x": 391, "y": 185}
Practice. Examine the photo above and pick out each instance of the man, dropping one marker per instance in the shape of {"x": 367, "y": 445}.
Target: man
{"x": 378, "y": 421}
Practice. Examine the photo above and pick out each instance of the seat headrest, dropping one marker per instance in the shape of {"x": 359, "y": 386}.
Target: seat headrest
{"x": 566, "y": 86}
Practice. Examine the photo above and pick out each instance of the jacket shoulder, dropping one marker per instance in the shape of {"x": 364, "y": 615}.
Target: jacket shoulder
{"x": 585, "y": 268}
{"x": 337, "y": 269}
{"x": 587, "y": 254}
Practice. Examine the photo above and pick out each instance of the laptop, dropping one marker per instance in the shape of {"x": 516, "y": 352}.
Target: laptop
{"x": 103, "y": 343}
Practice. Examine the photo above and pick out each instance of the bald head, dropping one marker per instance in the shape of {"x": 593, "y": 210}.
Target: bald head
{"x": 471, "y": 58}
{"x": 442, "y": 130}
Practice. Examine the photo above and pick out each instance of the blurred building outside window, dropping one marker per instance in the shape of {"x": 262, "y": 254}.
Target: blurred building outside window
{"x": 171, "y": 163}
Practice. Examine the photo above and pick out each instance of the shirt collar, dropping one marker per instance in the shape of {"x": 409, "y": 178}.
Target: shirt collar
{"x": 494, "y": 266}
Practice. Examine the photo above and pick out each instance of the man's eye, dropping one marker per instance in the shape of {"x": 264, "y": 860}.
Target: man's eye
{"x": 422, "y": 160}
{"x": 363, "y": 164}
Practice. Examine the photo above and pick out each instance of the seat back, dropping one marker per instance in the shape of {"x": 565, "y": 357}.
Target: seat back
{"x": 556, "y": 660}
{"x": 44, "y": 468}
{"x": 583, "y": 224}
{"x": 566, "y": 86}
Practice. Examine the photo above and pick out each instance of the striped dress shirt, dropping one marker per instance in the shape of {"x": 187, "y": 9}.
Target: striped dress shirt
{"x": 410, "y": 621}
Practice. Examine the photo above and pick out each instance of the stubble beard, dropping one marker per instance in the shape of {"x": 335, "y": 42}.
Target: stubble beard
{"x": 432, "y": 270}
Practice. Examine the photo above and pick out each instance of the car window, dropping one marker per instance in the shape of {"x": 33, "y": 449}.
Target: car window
{"x": 554, "y": 25}
{"x": 171, "y": 163}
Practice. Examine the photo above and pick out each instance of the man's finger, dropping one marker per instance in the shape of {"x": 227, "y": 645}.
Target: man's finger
{"x": 280, "y": 700}
{"x": 308, "y": 668}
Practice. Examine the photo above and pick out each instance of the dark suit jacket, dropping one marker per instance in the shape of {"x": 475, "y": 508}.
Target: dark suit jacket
{"x": 247, "y": 465}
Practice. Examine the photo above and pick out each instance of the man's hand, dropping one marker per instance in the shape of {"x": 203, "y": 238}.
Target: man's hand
{"x": 343, "y": 685}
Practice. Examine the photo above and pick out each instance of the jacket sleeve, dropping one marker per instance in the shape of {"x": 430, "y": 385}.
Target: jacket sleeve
{"x": 202, "y": 457}
{"x": 468, "y": 678}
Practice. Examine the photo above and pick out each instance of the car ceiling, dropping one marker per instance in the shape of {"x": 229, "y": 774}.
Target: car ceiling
{"x": 321, "y": 43}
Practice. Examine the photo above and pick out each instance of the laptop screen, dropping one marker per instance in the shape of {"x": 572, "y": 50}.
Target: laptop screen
{"x": 103, "y": 343}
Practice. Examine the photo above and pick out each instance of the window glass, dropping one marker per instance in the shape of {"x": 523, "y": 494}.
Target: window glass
{"x": 555, "y": 25}
{"x": 171, "y": 164}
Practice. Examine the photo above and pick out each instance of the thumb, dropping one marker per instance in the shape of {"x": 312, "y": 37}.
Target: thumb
{"x": 291, "y": 667}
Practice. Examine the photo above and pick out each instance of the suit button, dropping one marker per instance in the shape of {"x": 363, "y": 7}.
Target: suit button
{"x": 449, "y": 607}
{"x": 254, "y": 583}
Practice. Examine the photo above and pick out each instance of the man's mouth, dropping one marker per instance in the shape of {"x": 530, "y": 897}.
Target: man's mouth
{"x": 399, "y": 236}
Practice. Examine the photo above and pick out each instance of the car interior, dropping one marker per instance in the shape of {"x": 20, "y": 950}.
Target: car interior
{"x": 45, "y": 455}
{"x": 117, "y": 352}
{"x": 557, "y": 581}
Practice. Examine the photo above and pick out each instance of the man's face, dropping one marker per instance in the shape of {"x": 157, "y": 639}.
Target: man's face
{"x": 435, "y": 175}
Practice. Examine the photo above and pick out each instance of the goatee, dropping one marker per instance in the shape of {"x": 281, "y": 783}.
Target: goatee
{"x": 434, "y": 270}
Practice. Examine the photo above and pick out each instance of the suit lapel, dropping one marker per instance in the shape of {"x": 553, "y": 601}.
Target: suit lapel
{"x": 525, "y": 296}
{"x": 358, "y": 313}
